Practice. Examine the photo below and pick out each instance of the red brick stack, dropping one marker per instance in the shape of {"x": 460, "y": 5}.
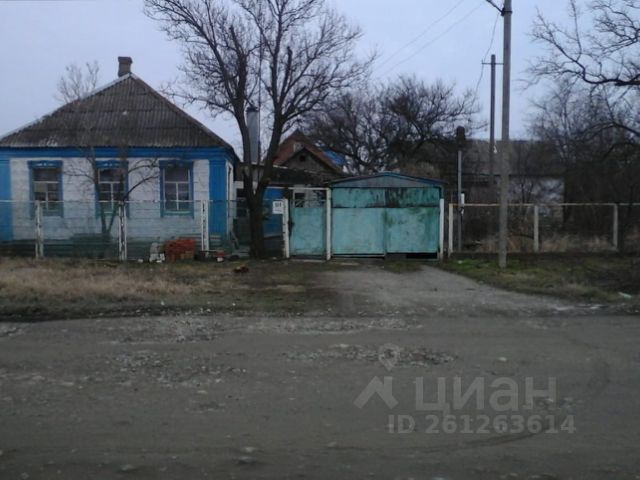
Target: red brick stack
{"x": 180, "y": 249}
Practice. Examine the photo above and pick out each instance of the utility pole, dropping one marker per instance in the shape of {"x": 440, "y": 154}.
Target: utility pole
{"x": 505, "y": 148}
{"x": 492, "y": 125}
{"x": 492, "y": 128}
{"x": 460, "y": 212}
{"x": 460, "y": 140}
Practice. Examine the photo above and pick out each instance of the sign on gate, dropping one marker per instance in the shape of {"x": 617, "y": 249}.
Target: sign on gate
{"x": 277, "y": 207}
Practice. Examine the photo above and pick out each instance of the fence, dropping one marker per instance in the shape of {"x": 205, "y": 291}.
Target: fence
{"x": 128, "y": 230}
{"x": 558, "y": 227}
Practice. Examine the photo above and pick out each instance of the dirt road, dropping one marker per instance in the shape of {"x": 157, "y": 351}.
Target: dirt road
{"x": 340, "y": 392}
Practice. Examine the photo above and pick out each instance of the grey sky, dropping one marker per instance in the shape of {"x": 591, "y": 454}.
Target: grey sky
{"x": 40, "y": 37}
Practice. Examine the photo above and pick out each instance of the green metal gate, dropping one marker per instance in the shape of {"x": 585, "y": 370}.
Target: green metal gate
{"x": 370, "y": 216}
{"x": 378, "y": 221}
{"x": 307, "y": 225}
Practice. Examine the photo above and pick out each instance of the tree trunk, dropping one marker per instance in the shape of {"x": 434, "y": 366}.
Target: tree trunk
{"x": 256, "y": 224}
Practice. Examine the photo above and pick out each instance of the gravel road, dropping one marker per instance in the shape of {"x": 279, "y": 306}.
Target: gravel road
{"x": 342, "y": 392}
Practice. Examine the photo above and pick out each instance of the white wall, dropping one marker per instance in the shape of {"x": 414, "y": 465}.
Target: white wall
{"x": 145, "y": 220}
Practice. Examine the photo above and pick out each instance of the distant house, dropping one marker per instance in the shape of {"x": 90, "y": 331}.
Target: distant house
{"x": 299, "y": 166}
{"x": 536, "y": 175}
{"x": 124, "y": 141}
{"x": 298, "y": 153}
{"x": 535, "y": 172}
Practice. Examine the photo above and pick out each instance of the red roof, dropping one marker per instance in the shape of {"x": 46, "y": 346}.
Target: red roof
{"x": 297, "y": 141}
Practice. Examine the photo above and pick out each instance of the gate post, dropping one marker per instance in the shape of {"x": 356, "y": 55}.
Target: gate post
{"x": 39, "y": 233}
{"x": 204, "y": 226}
{"x": 122, "y": 233}
{"x": 536, "y": 229}
{"x": 615, "y": 226}
{"x": 285, "y": 228}
{"x": 328, "y": 224}
{"x": 441, "y": 231}
{"x": 450, "y": 235}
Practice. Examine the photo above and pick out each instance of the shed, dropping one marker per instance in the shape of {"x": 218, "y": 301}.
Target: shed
{"x": 373, "y": 215}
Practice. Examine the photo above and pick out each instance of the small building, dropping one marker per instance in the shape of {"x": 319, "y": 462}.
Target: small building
{"x": 298, "y": 153}
{"x": 374, "y": 215}
{"x": 299, "y": 165}
{"x": 124, "y": 142}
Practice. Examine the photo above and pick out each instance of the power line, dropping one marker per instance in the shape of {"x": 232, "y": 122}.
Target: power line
{"x": 484, "y": 58}
{"x": 501, "y": 10}
{"x": 430, "y": 42}
{"x": 420, "y": 35}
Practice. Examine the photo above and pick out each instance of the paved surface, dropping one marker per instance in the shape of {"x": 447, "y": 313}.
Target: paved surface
{"x": 271, "y": 397}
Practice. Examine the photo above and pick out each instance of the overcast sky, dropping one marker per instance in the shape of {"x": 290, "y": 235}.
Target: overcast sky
{"x": 448, "y": 39}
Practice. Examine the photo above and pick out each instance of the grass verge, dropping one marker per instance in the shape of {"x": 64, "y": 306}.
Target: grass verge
{"x": 57, "y": 288}
{"x": 593, "y": 278}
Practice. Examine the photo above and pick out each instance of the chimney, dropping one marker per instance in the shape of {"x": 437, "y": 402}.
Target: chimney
{"x": 124, "y": 66}
{"x": 253, "y": 124}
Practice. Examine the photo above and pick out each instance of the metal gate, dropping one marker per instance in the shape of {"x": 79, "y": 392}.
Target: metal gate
{"x": 365, "y": 221}
{"x": 308, "y": 222}
{"x": 378, "y": 221}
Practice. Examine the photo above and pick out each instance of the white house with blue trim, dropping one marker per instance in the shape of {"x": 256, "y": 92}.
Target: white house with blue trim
{"x": 124, "y": 141}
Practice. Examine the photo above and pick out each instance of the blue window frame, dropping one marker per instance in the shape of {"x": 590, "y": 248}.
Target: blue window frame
{"x": 176, "y": 187}
{"x": 112, "y": 184}
{"x": 46, "y": 186}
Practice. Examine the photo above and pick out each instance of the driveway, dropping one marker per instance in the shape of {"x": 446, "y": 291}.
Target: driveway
{"x": 348, "y": 391}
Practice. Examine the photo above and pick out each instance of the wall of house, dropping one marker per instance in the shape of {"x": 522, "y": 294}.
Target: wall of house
{"x": 536, "y": 189}
{"x": 5, "y": 196}
{"x": 305, "y": 161}
{"x": 146, "y": 218}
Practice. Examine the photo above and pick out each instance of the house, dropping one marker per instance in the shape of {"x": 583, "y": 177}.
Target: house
{"x": 300, "y": 171}
{"x": 535, "y": 173}
{"x": 122, "y": 142}
{"x": 297, "y": 152}
{"x": 299, "y": 163}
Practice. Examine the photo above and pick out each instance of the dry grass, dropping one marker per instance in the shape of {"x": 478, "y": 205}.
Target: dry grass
{"x": 556, "y": 243}
{"x": 54, "y": 288}
{"x": 595, "y": 277}
{"x": 31, "y": 280}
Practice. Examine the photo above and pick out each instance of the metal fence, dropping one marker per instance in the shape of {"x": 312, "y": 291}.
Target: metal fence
{"x": 557, "y": 227}
{"x": 129, "y": 230}
{"x": 134, "y": 229}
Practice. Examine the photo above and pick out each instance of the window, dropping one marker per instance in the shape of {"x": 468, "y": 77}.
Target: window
{"x": 241, "y": 204}
{"x": 47, "y": 189}
{"x": 309, "y": 198}
{"x": 299, "y": 199}
{"x": 110, "y": 186}
{"x": 176, "y": 182}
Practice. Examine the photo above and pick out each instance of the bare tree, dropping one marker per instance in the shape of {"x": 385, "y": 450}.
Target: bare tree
{"x": 599, "y": 48}
{"x": 305, "y": 47}
{"x": 595, "y": 121}
{"x": 600, "y": 162}
{"x": 77, "y": 82}
{"x": 601, "y": 51}
{"x": 426, "y": 114}
{"x": 384, "y": 127}
{"x": 351, "y": 124}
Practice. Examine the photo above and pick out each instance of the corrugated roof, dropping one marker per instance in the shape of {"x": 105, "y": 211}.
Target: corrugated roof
{"x": 127, "y": 112}
{"x": 337, "y": 158}
{"x": 385, "y": 180}
{"x": 289, "y": 147}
